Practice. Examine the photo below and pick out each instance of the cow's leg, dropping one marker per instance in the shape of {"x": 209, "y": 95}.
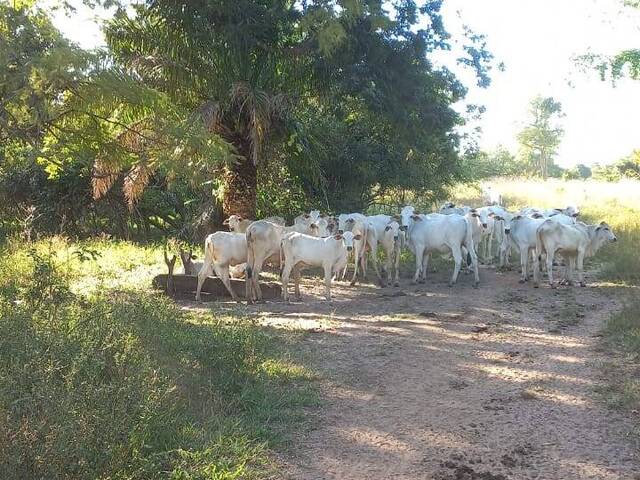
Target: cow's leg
{"x": 524, "y": 260}
{"x": 396, "y": 252}
{"x": 457, "y": 258}
{"x": 580, "y": 266}
{"x": 327, "y": 281}
{"x": 489, "y": 249}
{"x": 222, "y": 271}
{"x": 388, "y": 265}
{"x": 474, "y": 264}
{"x": 356, "y": 258}
{"x": 550, "y": 255}
{"x": 202, "y": 275}
{"x": 425, "y": 266}
{"x": 374, "y": 262}
{"x": 419, "y": 260}
{"x": 284, "y": 278}
{"x": 296, "y": 278}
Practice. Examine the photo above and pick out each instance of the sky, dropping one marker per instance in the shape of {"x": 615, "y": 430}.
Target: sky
{"x": 537, "y": 41}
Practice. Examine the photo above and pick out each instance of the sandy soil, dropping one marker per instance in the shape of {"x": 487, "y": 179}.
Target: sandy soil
{"x": 432, "y": 382}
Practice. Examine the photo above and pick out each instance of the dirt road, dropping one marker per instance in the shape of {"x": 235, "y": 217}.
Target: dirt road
{"x": 430, "y": 382}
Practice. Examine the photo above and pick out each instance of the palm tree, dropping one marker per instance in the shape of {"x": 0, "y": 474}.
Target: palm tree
{"x": 229, "y": 67}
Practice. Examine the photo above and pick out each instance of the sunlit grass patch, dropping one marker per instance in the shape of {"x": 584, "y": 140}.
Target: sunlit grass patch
{"x": 101, "y": 377}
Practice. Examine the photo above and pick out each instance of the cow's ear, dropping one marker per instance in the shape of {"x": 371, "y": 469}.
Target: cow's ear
{"x": 240, "y": 217}
{"x": 498, "y": 217}
{"x": 559, "y": 209}
{"x": 226, "y": 221}
{"x": 517, "y": 217}
{"x": 306, "y": 215}
{"x": 338, "y": 236}
{"x": 416, "y": 212}
{"x": 416, "y": 218}
{"x": 387, "y": 228}
{"x": 350, "y": 220}
{"x": 491, "y": 214}
{"x": 357, "y": 237}
{"x": 474, "y": 214}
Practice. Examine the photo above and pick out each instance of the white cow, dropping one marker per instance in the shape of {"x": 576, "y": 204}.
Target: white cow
{"x": 488, "y": 224}
{"x": 306, "y": 219}
{"x": 441, "y": 233}
{"x": 263, "y": 245}
{"x": 392, "y": 243}
{"x": 358, "y": 224}
{"x": 238, "y": 224}
{"x": 491, "y": 196}
{"x": 222, "y": 250}
{"x": 523, "y": 236}
{"x": 299, "y": 251}
{"x": 384, "y": 230}
{"x": 574, "y": 242}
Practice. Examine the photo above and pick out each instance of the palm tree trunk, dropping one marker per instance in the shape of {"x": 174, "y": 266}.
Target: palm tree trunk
{"x": 241, "y": 183}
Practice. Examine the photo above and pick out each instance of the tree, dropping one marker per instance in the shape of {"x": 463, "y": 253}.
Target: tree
{"x": 615, "y": 66}
{"x": 540, "y": 139}
{"x": 250, "y": 72}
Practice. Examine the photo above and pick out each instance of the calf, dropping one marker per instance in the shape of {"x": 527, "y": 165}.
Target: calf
{"x": 441, "y": 233}
{"x": 237, "y": 224}
{"x": 358, "y": 224}
{"x": 263, "y": 245}
{"x": 574, "y": 242}
{"x": 299, "y": 251}
{"x": 222, "y": 250}
{"x": 384, "y": 230}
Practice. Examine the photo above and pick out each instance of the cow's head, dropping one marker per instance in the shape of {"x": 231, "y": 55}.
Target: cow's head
{"x": 604, "y": 233}
{"x": 392, "y": 229}
{"x": 405, "y": 217}
{"x": 347, "y": 239}
{"x": 233, "y": 221}
{"x": 506, "y": 218}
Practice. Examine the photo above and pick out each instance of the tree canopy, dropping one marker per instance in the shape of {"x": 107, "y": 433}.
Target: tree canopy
{"x": 336, "y": 104}
{"x": 540, "y": 138}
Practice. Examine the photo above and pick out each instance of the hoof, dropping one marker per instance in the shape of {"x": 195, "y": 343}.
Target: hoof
{"x": 451, "y": 284}
{"x": 396, "y": 284}
{"x": 582, "y": 284}
{"x": 522, "y": 280}
{"x": 553, "y": 286}
{"x": 475, "y": 284}
{"x": 535, "y": 285}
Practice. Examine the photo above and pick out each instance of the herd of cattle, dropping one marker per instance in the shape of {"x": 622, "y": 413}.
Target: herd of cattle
{"x": 464, "y": 233}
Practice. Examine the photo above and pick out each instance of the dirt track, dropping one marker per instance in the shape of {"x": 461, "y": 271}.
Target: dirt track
{"x": 430, "y": 382}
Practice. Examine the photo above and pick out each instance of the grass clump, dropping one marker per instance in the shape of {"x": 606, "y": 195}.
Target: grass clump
{"x": 102, "y": 378}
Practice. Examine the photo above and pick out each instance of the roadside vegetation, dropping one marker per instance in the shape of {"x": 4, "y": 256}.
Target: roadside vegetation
{"x": 100, "y": 377}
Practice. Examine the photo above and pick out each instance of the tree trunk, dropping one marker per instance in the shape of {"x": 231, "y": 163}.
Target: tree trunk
{"x": 241, "y": 183}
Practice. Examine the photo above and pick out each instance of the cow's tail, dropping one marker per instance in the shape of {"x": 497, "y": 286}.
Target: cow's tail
{"x": 282, "y": 258}
{"x": 468, "y": 241}
{"x": 539, "y": 242}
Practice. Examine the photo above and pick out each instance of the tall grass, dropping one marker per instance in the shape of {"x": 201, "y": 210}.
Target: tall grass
{"x": 102, "y": 378}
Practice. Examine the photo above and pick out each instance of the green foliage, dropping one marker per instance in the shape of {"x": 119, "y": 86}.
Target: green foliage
{"x": 121, "y": 383}
{"x": 498, "y": 163}
{"x": 578, "y": 172}
{"x": 627, "y": 167}
{"x": 540, "y": 139}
